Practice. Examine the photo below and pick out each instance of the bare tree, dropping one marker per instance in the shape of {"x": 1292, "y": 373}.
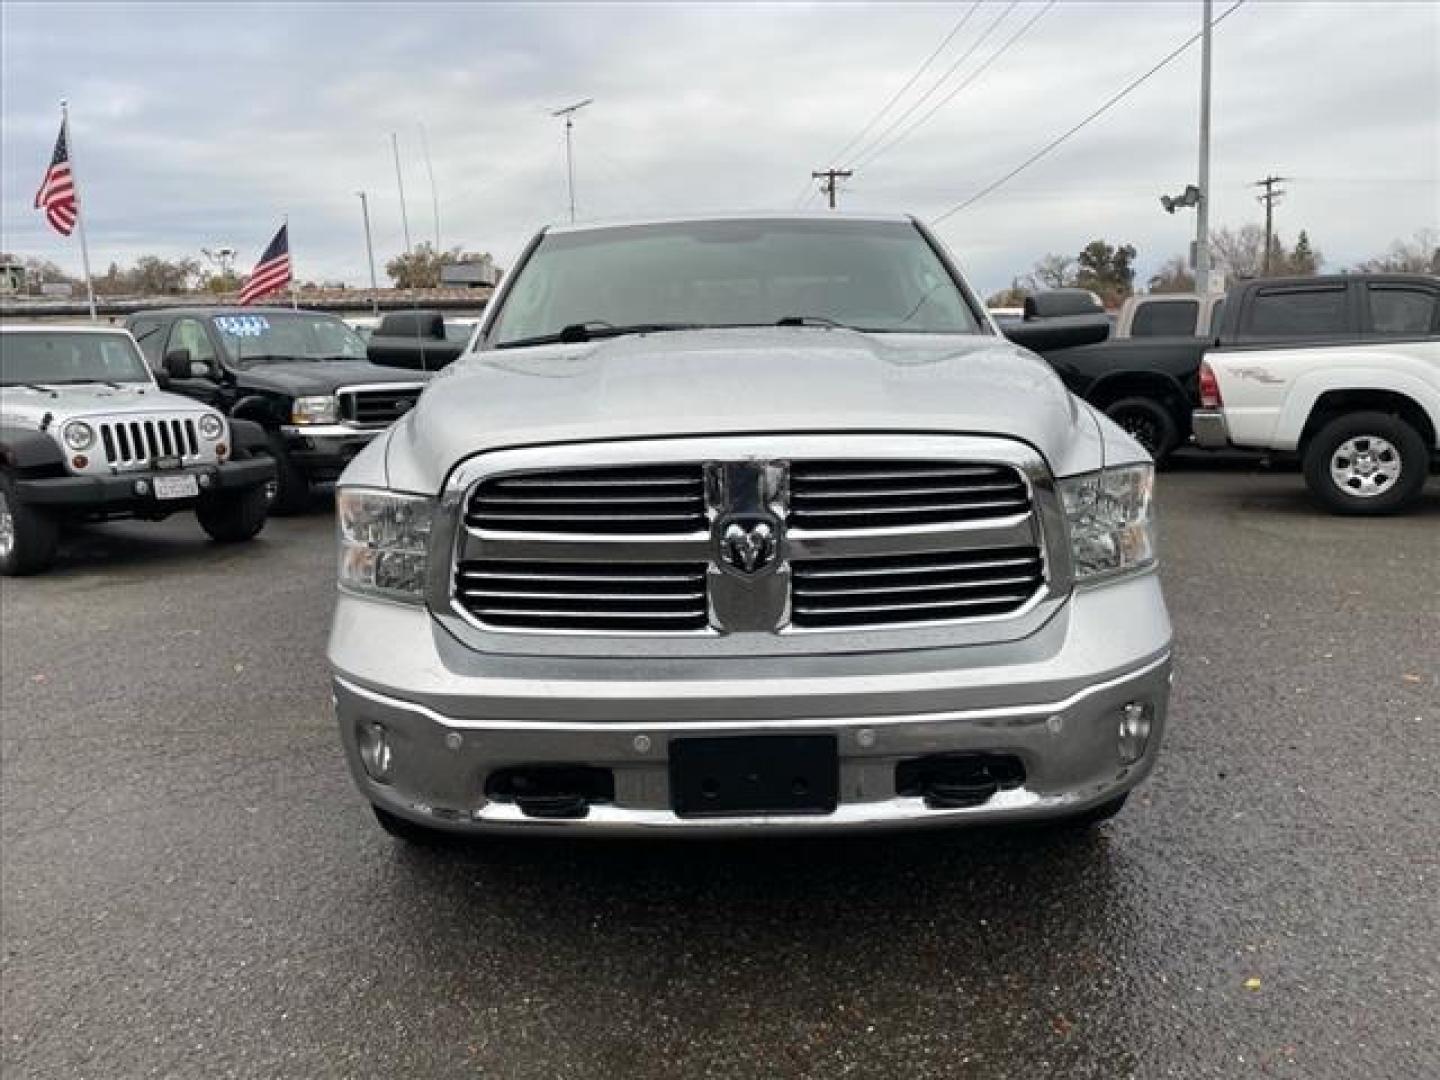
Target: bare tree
{"x": 1173, "y": 277}
{"x": 1239, "y": 253}
{"x": 1053, "y": 272}
{"x": 1418, "y": 255}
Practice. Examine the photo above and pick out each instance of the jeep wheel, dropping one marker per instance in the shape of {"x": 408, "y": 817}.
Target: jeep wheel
{"x": 231, "y": 517}
{"x": 1148, "y": 422}
{"x": 28, "y": 536}
{"x": 291, "y": 486}
{"x": 406, "y": 830}
{"x": 1366, "y": 463}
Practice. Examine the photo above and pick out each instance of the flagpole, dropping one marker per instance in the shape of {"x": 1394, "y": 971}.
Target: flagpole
{"x": 79, "y": 208}
{"x": 290, "y": 250}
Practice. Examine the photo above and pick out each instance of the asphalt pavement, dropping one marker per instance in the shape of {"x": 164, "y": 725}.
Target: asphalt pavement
{"x": 192, "y": 888}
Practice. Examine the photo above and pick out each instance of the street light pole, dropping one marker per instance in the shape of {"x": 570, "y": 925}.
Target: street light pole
{"x": 569, "y": 112}
{"x": 370, "y": 254}
{"x": 1202, "y": 210}
{"x": 400, "y": 183}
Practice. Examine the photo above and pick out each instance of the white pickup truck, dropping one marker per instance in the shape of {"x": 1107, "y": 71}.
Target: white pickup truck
{"x": 1354, "y": 388}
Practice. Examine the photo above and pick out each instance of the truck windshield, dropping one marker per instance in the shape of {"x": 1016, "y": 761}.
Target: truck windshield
{"x": 59, "y": 358}
{"x": 878, "y": 276}
{"x": 285, "y": 335}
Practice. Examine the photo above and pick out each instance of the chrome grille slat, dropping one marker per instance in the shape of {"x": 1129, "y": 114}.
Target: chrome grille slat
{"x": 847, "y": 593}
{"x": 377, "y": 406}
{"x": 133, "y": 444}
{"x": 852, "y": 495}
{"x": 598, "y": 596}
{"x": 628, "y": 500}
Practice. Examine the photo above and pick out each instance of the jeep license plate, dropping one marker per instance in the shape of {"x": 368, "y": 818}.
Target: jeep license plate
{"x": 176, "y": 487}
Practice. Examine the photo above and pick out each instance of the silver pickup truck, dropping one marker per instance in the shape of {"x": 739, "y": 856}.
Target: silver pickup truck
{"x": 741, "y": 524}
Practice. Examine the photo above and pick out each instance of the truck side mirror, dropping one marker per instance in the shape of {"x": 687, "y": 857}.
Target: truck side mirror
{"x": 177, "y": 364}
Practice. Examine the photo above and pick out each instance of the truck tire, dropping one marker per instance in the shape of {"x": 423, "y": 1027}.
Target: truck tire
{"x": 1148, "y": 422}
{"x": 1366, "y": 463}
{"x": 292, "y": 487}
{"x": 28, "y": 537}
{"x": 406, "y": 830}
{"x": 233, "y": 517}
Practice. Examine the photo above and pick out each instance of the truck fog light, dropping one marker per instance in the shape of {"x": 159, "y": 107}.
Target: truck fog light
{"x": 141, "y": 487}
{"x": 80, "y": 461}
{"x": 1134, "y": 731}
{"x": 375, "y": 751}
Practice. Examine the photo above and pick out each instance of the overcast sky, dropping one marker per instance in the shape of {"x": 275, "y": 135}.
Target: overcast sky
{"x": 202, "y": 124}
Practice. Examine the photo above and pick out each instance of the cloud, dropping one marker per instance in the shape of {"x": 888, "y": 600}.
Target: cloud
{"x": 203, "y": 124}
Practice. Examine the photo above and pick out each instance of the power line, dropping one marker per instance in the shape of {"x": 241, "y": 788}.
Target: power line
{"x": 864, "y": 155}
{"x": 1109, "y": 103}
{"x": 1011, "y": 40}
{"x": 959, "y": 25}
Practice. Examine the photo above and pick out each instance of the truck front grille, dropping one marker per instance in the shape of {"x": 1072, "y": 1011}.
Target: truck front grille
{"x": 133, "y": 443}
{"x": 889, "y": 589}
{"x": 378, "y": 407}
{"x": 578, "y": 596}
{"x": 649, "y": 499}
{"x": 851, "y": 495}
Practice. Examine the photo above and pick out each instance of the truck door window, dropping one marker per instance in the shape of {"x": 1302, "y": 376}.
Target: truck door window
{"x": 1298, "y": 313}
{"x": 189, "y": 334}
{"x": 1402, "y": 311}
{"x": 148, "y": 335}
{"x": 1165, "y": 318}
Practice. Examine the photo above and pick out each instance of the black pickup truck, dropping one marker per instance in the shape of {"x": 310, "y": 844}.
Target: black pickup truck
{"x": 303, "y": 376}
{"x": 1150, "y": 385}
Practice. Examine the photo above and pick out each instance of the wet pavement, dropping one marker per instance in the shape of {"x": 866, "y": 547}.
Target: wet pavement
{"x": 191, "y": 887}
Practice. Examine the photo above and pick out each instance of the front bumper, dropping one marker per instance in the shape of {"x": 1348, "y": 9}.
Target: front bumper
{"x": 322, "y": 451}
{"x": 453, "y": 716}
{"x": 1210, "y": 429}
{"x": 117, "y": 493}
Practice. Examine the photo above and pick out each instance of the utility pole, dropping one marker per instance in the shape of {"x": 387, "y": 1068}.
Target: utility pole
{"x": 1202, "y": 208}
{"x": 569, "y": 112}
{"x": 1270, "y": 198}
{"x": 400, "y": 182}
{"x": 370, "y": 254}
{"x": 829, "y": 176}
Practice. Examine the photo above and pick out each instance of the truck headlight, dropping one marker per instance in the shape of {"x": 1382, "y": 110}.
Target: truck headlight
{"x": 79, "y": 435}
{"x": 1111, "y": 520}
{"x": 211, "y": 427}
{"x": 314, "y": 410}
{"x": 384, "y": 537}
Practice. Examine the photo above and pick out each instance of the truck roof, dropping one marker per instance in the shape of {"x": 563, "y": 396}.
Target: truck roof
{"x": 203, "y": 310}
{"x": 733, "y": 215}
{"x": 1343, "y": 279}
{"x": 68, "y": 328}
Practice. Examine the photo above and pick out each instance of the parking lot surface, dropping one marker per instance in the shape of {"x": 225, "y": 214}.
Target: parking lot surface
{"x": 191, "y": 887}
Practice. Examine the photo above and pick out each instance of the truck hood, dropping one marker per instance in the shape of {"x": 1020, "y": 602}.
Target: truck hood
{"x": 716, "y": 382}
{"x": 23, "y": 407}
{"x": 298, "y": 378}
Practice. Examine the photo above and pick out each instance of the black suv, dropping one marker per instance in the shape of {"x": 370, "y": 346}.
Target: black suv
{"x": 302, "y": 375}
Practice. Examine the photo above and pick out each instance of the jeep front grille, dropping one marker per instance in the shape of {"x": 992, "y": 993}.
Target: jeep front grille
{"x": 648, "y": 499}
{"x": 848, "y": 495}
{"x": 133, "y": 443}
{"x": 378, "y": 406}
{"x": 889, "y": 589}
{"x": 616, "y": 597}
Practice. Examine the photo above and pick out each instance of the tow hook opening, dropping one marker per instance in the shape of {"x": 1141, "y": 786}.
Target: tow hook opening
{"x": 955, "y": 781}
{"x": 542, "y": 791}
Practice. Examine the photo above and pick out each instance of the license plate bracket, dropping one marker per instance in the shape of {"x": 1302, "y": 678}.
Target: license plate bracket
{"x": 733, "y": 776}
{"x": 176, "y": 487}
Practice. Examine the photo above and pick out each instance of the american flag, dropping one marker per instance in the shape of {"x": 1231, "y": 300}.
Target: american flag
{"x": 272, "y": 271}
{"x": 57, "y": 191}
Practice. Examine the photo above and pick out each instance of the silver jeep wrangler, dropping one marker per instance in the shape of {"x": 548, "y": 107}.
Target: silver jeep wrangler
{"x": 86, "y": 434}
{"x": 746, "y": 523}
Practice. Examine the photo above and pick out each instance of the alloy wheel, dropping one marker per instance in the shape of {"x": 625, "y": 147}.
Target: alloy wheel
{"x": 1365, "y": 466}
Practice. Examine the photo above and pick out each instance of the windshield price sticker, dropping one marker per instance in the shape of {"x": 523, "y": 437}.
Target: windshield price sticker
{"x": 242, "y": 325}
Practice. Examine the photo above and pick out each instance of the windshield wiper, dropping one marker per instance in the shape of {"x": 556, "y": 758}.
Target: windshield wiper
{"x": 593, "y": 329}
{"x": 811, "y": 320}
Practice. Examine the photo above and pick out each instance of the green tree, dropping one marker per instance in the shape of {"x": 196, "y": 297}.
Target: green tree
{"x": 419, "y": 268}
{"x": 1303, "y": 260}
{"x": 1107, "y": 270}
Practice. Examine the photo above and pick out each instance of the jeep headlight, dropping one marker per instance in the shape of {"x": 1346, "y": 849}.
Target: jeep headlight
{"x": 211, "y": 427}
{"x": 79, "y": 435}
{"x": 322, "y": 409}
{"x": 384, "y": 537}
{"x": 1111, "y": 520}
